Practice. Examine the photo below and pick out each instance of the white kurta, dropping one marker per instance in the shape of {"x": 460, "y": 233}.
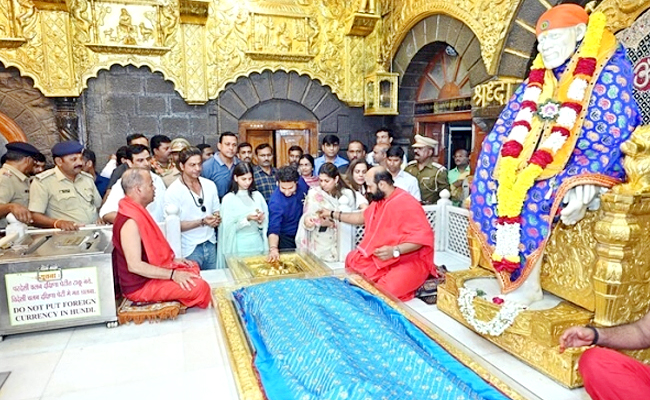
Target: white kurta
{"x": 155, "y": 208}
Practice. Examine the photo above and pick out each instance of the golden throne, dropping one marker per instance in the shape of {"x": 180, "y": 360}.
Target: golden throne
{"x": 600, "y": 267}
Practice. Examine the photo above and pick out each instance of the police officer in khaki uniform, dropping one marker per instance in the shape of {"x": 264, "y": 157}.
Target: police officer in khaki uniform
{"x": 65, "y": 197}
{"x": 14, "y": 181}
{"x": 431, "y": 176}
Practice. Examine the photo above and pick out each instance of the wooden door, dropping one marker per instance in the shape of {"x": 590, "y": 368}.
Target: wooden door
{"x": 285, "y": 138}
{"x": 257, "y": 137}
{"x": 281, "y": 135}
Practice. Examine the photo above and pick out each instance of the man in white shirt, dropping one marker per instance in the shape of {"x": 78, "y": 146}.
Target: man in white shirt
{"x": 197, "y": 199}
{"x": 384, "y": 136}
{"x": 401, "y": 179}
{"x": 137, "y": 156}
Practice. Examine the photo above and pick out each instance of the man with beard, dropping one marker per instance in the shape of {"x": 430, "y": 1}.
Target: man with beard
{"x": 395, "y": 253}
{"x": 295, "y": 152}
{"x": 206, "y": 151}
{"x": 64, "y": 197}
{"x": 355, "y": 150}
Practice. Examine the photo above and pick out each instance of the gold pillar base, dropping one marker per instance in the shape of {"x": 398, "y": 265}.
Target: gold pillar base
{"x": 533, "y": 338}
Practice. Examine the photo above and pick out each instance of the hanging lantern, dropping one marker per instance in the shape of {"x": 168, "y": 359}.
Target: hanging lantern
{"x": 381, "y": 93}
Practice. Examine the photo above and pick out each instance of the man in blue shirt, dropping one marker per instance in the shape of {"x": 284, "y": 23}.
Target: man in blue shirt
{"x": 219, "y": 168}
{"x": 285, "y": 210}
{"x": 263, "y": 172}
{"x": 330, "y": 148}
{"x": 89, "y": 160}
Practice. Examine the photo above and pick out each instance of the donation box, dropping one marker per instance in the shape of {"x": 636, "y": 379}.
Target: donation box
{"x": 51, "y": 280}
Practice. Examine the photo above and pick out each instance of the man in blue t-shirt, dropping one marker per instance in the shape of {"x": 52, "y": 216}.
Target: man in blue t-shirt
{"x": 285, "y": 210}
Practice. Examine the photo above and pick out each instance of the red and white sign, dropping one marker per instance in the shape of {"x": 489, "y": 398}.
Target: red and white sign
{"x": 36, "y": 297}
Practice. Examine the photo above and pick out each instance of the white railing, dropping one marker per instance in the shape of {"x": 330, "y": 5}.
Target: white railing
{"x": 449, "y": 225}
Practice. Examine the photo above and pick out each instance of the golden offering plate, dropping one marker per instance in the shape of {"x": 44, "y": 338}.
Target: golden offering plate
{"x": 256, "y": 268}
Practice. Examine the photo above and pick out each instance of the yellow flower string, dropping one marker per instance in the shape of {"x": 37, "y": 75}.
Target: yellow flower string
{"x": 513, "y": 187}
{"x": 538, "y": 63}
{"x": 594, "y": 35}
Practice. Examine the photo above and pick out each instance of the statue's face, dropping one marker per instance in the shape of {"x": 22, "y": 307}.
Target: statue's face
{"x": 558, "y": 45}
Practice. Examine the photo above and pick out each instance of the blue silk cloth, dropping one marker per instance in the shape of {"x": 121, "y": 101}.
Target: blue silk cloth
{"x": 327, "y": 339}
{"x": 612, "y": 115}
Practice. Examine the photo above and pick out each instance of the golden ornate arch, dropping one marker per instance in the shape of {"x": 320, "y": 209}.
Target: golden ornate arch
{"x": 489, "y": 20}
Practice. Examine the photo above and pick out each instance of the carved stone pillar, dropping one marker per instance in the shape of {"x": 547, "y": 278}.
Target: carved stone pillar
{"x": 67, "y": 120}
{"x": 622, "y": 269}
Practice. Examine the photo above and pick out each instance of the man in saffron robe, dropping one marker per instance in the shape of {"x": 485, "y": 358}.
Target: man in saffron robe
{"x": 396, "y": 253}
{"x": 577, "y": 108}
{"x": 608, "y": 374}
{"x": 143, "y": 261}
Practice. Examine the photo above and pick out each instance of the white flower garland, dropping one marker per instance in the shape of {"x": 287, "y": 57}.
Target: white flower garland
{"x": 495, "y": 327}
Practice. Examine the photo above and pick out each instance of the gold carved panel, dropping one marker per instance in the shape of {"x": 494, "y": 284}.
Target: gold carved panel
{"x": 202, "y": 45}
{"x": 127, "y": 28}
{"x": 280, "y": 37}
{"x": 194, "y": 74}
{"x": 570, "y": 261}
{"x": 10, "y": 30}
{"x": 57, "y": 51}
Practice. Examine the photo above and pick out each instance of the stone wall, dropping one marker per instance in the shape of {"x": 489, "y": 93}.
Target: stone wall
{"x": 125, "y": 100}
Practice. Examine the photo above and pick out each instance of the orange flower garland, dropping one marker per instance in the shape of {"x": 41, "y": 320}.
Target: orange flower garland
{"x": 514, "y": 185}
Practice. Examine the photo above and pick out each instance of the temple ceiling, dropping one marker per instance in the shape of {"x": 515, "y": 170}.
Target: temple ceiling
{"x": 203, "y": 45}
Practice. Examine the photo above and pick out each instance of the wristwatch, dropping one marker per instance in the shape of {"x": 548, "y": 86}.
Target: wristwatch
{"x": 396, "y": 252}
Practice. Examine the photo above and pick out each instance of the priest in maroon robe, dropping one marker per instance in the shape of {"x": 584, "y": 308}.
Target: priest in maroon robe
{"x": 396, "y": 252}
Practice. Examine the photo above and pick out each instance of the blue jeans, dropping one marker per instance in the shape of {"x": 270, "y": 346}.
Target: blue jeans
{"x": 205, "y": 254}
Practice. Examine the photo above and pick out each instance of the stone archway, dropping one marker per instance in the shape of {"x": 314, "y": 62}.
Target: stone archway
{"x": 289, "y": 96}
{"x": 420, "y": 44}
{"x": 27, "y": 111}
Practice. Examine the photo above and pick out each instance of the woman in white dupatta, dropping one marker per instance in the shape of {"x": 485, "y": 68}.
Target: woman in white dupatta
{"x": 244, "y": 216}
{"x": 320, "y": 236}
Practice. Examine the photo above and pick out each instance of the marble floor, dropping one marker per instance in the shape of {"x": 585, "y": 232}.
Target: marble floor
{"x": 184, "y": 359}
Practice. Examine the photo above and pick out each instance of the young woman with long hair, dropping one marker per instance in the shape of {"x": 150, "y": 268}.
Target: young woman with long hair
{"x": 245, "y": 217}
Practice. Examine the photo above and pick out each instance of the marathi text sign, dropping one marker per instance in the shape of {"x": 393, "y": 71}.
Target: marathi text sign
{"x": 34, "y": 297}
